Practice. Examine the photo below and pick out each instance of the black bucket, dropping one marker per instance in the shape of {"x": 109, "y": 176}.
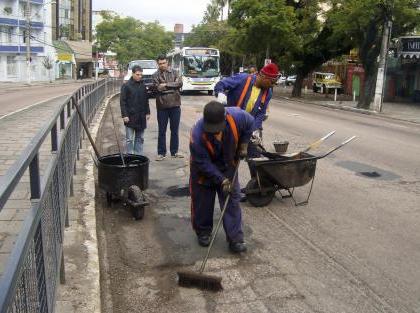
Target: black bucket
{"x": 113, "y": 176}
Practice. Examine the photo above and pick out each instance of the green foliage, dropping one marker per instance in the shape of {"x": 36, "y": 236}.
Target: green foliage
{"x": 212, "y": 13}
{"x": 132, "y": 39}
{"x": 8, "y": 10}
{"x": 262, "y": 24}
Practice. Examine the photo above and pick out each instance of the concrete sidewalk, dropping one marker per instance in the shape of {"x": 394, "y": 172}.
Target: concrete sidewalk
{"x": 7, "y": 85}
{"x": 409, "y": 112}
{"x": 16, "y": 132}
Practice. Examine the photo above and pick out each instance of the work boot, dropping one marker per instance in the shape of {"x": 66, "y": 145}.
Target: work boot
{"x": 237, "y": 247}
{"x": 203, "y": 240}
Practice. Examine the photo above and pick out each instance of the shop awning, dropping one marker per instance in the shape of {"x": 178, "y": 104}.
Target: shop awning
{"x": 82, "y": 50}
{"x": 63, "y": 52}
{"x": 409, "y": 47}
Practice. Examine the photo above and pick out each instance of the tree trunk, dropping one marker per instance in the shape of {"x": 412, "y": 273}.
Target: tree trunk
{"x": 369, "y": 90}
{"x": 297, "y": 87}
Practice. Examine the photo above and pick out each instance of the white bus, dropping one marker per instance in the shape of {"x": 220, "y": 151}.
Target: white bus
{"x": 198, "y": 67}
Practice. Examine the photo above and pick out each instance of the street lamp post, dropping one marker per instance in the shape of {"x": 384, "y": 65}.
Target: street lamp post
{"x": 28, "y": 43}
{"x": 380, "y": 79}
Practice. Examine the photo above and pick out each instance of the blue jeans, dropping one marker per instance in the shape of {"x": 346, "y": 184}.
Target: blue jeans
{"x": 134, "y": 140}
{"x": 173, "y": 115}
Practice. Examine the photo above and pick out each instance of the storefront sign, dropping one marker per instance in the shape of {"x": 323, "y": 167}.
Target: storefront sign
{"x": 410, "y": 44}
{"x": 65, "y": 57}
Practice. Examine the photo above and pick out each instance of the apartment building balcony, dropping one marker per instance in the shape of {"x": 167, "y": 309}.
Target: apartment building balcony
{"x": 41, "y": 2}
{"x": 19, "y": 48}
{"x": 14, "y": 22}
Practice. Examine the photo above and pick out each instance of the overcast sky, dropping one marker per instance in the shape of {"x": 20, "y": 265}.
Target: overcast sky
{"x": 167, "y": 12}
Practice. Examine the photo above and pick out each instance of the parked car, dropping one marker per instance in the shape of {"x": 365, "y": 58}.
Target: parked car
{"x": 149, "y": 67}
{"x": 290, "y": 80}
{"x": 281, "y": 80}
{"x": 326, "y": 82}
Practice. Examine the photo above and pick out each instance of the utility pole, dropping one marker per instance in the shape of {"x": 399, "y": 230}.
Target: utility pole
{"x": 379, "y": 89}
{"x": 28, "y": 42}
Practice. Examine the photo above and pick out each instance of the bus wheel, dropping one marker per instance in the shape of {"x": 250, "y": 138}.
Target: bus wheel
{"x": 210, "y": 92}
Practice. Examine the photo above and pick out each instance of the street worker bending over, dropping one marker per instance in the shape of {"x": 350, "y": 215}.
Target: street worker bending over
{"x": 251, "y": 93}
{"x": 217, "y": 142}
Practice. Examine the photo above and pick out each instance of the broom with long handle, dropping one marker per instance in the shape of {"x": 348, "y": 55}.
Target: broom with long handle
{"x": 198, "y": 279}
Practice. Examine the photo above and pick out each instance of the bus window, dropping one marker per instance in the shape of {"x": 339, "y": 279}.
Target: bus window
{"x": 201, "y": 66}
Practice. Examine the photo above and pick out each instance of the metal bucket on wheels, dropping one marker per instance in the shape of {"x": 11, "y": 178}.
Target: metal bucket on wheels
{"x": 125, "y": 181}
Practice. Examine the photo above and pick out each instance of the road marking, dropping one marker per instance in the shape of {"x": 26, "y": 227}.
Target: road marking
{"x": 30, "y": 106}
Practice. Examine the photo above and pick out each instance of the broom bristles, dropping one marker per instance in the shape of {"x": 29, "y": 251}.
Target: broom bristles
{"x": 202, "y": 281}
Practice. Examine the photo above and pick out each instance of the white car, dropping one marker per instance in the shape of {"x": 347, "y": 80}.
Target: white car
{"x": 290, "y": 80}
{"x": 281, "y": 80}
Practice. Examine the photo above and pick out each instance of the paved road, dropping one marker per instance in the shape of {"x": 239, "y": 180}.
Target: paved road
{"x": 353, "y": 248}
{"x": 16, "y": 98}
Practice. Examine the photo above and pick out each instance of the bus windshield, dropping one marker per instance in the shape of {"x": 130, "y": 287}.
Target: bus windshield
{"x": 143, "y": 64}
{"x": 201, "y": 66}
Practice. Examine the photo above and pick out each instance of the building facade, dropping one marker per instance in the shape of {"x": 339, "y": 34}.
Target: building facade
{"x": 13, "y": 41}
{"x": 403, "y": 71}
{"x": 72, "y": 32}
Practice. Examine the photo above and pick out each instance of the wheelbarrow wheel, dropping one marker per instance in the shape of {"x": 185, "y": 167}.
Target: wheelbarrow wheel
{"x": 136, "y": 196}
{"x": 259, "y": 199}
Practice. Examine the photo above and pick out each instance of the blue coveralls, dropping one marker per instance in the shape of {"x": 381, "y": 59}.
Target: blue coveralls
{"x": 211, "y": 162}
{"x": 234, "y": 87}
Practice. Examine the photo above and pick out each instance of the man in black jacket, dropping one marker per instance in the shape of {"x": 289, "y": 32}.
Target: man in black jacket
{"x": 135, "y": 110}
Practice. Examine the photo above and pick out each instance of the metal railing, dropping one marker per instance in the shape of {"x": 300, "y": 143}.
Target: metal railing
{"x": 29, "y": 281}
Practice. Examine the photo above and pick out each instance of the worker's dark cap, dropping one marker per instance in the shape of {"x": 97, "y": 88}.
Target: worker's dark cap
{"x": 214, "y": 117}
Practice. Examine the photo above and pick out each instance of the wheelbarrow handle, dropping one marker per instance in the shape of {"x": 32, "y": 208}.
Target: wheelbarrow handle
{"x": 338, "y": 147}
{"x": 313, "y": 145}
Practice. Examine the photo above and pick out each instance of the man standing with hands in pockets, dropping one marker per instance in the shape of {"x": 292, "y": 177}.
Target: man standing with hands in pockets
{"x": 168, "y": 104}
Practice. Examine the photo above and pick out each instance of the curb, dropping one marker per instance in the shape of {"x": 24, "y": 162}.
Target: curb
{"x": 348, "y": 109}
{"x": 91, "y": 241}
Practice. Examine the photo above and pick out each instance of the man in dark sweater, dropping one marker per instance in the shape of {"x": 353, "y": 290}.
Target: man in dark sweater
{"x": 168, "y": 104}
{"x": 135, "y": 110}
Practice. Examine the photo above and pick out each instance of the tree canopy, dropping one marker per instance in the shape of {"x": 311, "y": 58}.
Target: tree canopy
{"x": 304, "y": 34}
{"x": 132, "y": 39}
{"x": 363, "y": 23}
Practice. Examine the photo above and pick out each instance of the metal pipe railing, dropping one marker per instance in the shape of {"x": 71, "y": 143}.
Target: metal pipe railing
{"x": 28, "y": 283}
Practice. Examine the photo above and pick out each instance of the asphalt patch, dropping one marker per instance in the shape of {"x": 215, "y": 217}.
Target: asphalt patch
{"x": 368, "y": 171}
{"x": 178, "y": 191}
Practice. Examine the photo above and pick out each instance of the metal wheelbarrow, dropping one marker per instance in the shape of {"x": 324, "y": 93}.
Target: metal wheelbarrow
{"x": 277, "y": 172}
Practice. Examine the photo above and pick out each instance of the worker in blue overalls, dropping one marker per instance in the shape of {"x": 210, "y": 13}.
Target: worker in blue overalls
{"x": 251, "y": 93}
{"x": 217, "y": 142}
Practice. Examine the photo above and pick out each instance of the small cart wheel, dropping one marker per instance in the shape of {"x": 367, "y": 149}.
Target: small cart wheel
{"x": 136, "y": 196}
{"x": 109, "y": 198}
{"x": 259, "y": 199}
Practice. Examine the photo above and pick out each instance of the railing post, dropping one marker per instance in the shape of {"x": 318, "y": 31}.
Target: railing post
{"x": 54, "y": 138}
{"x": 68, "y": 109}
{"x": 62, "y": 270}
{"x": 34, "y": 178}
{"x": 62, "y": 119}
